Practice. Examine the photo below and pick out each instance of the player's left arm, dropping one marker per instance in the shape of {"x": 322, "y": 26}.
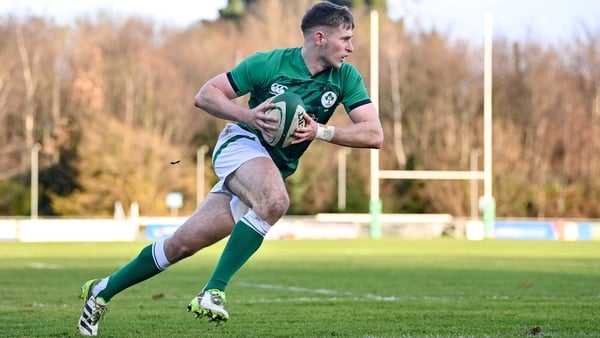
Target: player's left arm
{"x": 365, "y": 131}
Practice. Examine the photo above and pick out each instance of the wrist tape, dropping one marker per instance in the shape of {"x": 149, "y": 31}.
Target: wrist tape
{"x": 325, "y": 133}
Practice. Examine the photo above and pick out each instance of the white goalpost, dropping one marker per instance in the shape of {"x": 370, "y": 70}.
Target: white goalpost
{"x": 486, "y": 202}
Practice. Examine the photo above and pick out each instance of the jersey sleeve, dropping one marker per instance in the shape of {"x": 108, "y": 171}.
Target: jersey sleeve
{"x": 248, "y": 74}
{"x": 354, "y": 92}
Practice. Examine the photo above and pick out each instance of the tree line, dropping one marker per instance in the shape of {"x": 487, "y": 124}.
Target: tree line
{"x": 110, "y": 101}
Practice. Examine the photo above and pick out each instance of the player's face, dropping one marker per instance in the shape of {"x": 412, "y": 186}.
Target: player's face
{"x": 337, "y": 46}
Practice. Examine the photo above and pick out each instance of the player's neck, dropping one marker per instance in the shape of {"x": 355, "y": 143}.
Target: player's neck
{"x": 312, "y": 60}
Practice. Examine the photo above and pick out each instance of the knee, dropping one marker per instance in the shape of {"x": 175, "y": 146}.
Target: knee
{"x": 274, "y": 207}
{"x": 177, "y": 250}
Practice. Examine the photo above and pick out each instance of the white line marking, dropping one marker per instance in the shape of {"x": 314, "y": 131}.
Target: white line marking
{"x": 43, "y": 266}
{"x": 347, "y": 295}
{"x": 335, "y": 294}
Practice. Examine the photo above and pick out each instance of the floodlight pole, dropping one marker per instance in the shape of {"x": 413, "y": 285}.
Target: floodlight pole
{"x": 35, "y": 151}
{"x": 342, "y": 153}
{"x": 200, "y": 155}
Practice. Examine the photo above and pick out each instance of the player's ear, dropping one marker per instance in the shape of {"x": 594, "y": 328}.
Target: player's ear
{"x": 319, "y": 38}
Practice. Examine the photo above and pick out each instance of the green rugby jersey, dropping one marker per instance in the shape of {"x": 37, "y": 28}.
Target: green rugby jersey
{"x": 266, "y": 74}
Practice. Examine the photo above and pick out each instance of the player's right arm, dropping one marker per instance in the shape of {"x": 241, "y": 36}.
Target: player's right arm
{"x": 215, "y": 97}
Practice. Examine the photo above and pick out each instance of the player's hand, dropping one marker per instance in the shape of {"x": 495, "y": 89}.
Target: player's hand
{"x": 258, "y": 119}
{"x": 308, "y": 132}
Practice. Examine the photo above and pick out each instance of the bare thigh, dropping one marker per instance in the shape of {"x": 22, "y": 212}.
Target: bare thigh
{"x": 210, "y": 223}
{"x": 258, "y": 183}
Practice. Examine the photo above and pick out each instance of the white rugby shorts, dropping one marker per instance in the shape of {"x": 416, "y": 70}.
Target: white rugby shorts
{"x": 234, "y": 147}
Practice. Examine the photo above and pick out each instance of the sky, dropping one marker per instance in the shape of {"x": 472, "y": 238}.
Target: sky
{"x": 549, "y": 20}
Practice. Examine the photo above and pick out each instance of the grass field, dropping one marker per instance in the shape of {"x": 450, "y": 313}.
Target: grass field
{"x": 352, "y": 288}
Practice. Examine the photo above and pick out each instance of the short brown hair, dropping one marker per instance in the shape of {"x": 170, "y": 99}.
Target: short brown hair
{"x": 327, "y": 14}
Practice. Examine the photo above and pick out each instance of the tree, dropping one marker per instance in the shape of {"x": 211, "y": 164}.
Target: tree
{"x": 111, "y": 101}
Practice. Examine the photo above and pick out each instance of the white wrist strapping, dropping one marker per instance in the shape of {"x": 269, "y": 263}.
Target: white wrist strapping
{"x": 325, "y": 133}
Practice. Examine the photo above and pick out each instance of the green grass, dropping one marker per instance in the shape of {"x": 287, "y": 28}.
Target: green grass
{"x": 353, "y": 288}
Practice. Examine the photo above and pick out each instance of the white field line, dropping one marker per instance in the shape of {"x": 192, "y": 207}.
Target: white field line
{"x": 43, "y": 266}
{"x": 333, "y": 295}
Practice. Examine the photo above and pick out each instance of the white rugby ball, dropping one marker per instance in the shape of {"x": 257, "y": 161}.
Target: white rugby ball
{"x": 290, "y": 113}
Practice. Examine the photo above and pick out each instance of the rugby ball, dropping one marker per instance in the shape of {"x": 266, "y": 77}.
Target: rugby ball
{"x": 290, "y": 112}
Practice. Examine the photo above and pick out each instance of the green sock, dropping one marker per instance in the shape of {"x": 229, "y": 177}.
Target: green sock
{"x": 148, "y": 263}
{"x": 242, "y": 244}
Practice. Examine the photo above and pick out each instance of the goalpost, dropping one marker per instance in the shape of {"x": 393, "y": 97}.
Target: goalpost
{"x": 487, "y": 202}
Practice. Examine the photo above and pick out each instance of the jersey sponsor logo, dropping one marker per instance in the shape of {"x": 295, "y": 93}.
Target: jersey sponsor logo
{"x": 277, "y": 88}
{"x": 328, "y": 99}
